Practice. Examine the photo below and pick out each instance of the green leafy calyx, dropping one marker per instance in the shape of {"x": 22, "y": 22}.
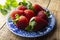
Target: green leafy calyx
{"x": 31, "y": 25}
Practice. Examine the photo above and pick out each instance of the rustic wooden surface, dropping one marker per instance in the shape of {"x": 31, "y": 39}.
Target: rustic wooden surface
{"x": 54, "y": 6}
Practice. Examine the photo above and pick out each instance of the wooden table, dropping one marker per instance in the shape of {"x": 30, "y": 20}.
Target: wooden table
{"x": 54, "y": 6}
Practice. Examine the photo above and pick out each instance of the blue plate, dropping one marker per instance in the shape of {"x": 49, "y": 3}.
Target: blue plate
{"x": 30, "y": 34}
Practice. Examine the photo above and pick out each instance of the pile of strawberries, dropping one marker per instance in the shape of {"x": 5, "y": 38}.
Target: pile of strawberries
{"x": 28, "y": 19}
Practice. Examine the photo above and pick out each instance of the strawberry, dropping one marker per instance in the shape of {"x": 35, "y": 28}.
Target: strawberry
{"x": 29, "y": 14}
{"x": 40, "y": 23}
{"x": 43, "y": 15}
{"x": 22, "y": 22}
{"x": 36, "y": 23}
{"x": 21, "y": 7}
{"x": 38, "y": 8}
{"x": 14, "y": 12}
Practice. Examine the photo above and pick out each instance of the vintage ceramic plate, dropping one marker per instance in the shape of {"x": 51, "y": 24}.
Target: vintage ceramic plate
{"x": 24, "y": 33}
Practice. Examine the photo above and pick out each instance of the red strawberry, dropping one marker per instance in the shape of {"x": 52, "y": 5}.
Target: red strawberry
{"x": 22, "y": 22}
{"x": 38, "y": 8}
{"x": 39, "y": 23}
{"x": 14, "y": 12}
{"x": 29, "y": 14}
{"x": 21, "y": 7}
{"x": 43, "y": 15}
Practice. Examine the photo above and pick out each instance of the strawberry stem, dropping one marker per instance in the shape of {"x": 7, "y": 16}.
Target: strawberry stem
{"x": 31, "y": 25}
{"x": 47, "y": 13}
{"x": 17, "y": 16}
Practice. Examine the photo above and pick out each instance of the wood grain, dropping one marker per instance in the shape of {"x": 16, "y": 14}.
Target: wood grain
{"x": 54, "y": 6}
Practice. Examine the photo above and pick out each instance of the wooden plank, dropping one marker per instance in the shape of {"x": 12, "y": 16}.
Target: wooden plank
{"x": 43, "y": 3}
{"x": 2, "y": 20}
{"x": 54, "y": 6}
